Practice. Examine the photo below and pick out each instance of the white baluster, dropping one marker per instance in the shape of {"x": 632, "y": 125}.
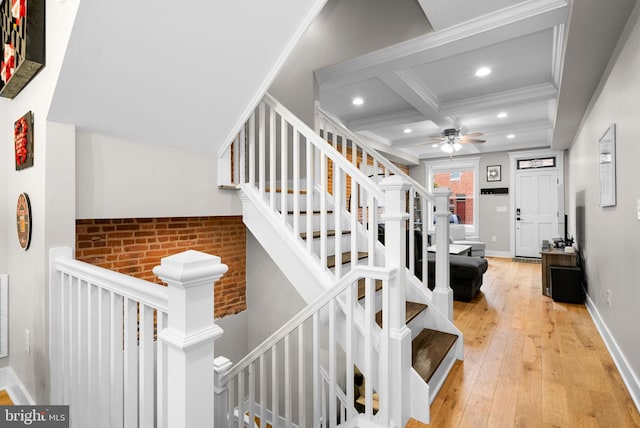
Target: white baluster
{"x": 252, "y": 150}
{"x": 272, "y": 159}
{"x": 221, "y": 366}
{"x": 284, "y": 167}
{"x": 261, "y": 149}
{"x": 442, "y": 293}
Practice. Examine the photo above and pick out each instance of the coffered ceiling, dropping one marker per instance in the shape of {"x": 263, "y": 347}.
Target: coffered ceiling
{"x": 418, "y": 88}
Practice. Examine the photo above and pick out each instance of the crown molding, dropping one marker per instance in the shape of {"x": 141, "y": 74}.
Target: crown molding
{"x": 510, "y": 22}
{"x": 543, "y": 91}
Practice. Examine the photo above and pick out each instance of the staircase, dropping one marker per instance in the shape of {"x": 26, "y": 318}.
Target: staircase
{"x": 309, "y": 204}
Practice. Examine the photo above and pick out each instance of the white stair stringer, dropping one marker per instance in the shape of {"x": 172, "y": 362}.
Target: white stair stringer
{"x": 310, "y": 280}
{"x": 290, "y": 255}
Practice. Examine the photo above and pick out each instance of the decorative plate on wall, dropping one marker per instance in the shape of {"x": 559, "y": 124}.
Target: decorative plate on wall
{"x": 23, "y": 220}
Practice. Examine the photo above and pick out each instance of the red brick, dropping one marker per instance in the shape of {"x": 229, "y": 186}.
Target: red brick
{"x": 135, "y": 247}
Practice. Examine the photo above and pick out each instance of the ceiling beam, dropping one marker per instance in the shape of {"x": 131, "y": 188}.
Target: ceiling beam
{"x": 505, "y": 24}
{"x": 384, "y": 120}
{"x": 413, "y": 90}
{"x": 544, "y": 91}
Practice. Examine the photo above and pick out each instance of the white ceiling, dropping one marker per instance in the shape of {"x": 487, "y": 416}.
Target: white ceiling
{"x": 428, "y": 84}
{"x": 153, "y": 72}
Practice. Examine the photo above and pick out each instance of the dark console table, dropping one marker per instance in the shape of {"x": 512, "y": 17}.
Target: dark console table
{"x": 554, "y": 257}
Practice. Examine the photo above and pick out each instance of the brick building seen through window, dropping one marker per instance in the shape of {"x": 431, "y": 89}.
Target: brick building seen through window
{"x": 461, "y": 183}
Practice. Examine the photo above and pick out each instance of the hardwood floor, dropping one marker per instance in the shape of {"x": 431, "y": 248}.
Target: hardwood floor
{"x": 5, "y": 400}
{"x": 529, "y": 362}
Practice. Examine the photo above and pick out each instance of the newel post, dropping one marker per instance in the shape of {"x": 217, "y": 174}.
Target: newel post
{"x": 221, "y": 367}
{"x": 190, "y": 335}
{"x": 395, "y": 223}
{"x": 442, "y": 292}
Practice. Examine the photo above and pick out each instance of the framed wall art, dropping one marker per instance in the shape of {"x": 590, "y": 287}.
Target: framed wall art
{"x": 607, "y": 164}
{"x": 23, "y": 141}
{"x": 22, "y": 45}
{"x": 23, "y": 220}
{"x": 494, "y": 173}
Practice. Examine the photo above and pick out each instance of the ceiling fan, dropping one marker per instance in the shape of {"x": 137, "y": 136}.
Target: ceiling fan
{"x": 452, "y": 139}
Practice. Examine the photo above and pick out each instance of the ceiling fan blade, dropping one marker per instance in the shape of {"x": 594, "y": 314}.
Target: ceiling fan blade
{"x": 469, "y": 140}
{"x": 474, "y": 134}
{"x": 427, "y": 142}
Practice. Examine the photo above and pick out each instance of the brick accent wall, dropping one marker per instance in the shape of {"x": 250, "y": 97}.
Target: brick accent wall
{"x": 133, "y": 246}
{"x": 349, "y": 157}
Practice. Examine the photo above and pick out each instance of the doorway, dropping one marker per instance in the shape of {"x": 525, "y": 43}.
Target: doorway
{"x": 537, "y": 201}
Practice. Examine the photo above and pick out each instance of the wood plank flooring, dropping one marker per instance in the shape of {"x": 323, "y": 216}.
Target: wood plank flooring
{"x": 529, "y": 361}
{"x": 5, "y": 400}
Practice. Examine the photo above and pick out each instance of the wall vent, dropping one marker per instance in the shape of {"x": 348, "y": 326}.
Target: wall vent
{"x": 4, "y": 316}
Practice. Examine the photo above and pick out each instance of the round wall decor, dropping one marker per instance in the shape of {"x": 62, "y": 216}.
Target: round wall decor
{"x": 23, "y": 220}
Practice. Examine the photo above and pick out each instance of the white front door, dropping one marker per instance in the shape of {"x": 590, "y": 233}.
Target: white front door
{"x": 536, "y": 197}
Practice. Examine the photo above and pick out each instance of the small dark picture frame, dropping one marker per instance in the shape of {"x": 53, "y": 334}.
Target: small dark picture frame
{"x": 494, "y": 173}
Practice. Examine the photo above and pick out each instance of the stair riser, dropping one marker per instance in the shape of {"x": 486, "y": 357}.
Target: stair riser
{"x": 302, "y": 201}
{"x": 315, "y": 221}
{"x": 347, "y": 267}
{"x": 345, "y": 242}
{"x": 418, "y": 323}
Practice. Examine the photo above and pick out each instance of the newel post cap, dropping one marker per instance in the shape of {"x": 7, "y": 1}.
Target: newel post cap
{"x": 190, "y": 268}
{"x": 395, "y": 182}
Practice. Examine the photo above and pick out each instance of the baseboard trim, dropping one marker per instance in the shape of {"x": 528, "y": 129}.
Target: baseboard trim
{"x": 15, "y": 387}
{"x": 504, "y": 254}
{"x": 628, "y": 376}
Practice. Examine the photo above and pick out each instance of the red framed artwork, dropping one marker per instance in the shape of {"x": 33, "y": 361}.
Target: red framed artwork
{"x": 23, "y": 44}
{"x": 23, "y": 141}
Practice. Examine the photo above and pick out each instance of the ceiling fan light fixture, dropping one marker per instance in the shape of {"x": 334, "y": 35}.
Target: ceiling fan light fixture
{"x": 449, "y": 147}
{"x": 502, "y": 115}
{"x": 483, "y": 71}
{"x": 407, "y": 130}
{"x": 357, "y": 101}
{"x": 511, "y": 136}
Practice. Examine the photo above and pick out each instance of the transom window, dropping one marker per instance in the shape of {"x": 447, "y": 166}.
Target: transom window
{"x": 537, "y": 163}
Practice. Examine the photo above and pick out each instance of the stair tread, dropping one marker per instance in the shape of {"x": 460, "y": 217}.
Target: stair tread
{"x": 361, "y": 287}
{"x": 289, "y": 191}
{"x": 429, "y": 349}
{"x": 316, "y": 234}
{"x": 305, "y": 212}
{"x": 346, "y": 258}
{"x": 412, "y": 310}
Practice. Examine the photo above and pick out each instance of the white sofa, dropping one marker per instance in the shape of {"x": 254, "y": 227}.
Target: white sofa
{"x": 458, "y": 235}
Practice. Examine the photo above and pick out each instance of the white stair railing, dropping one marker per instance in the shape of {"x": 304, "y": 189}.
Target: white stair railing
{"x": 307, "y": 184}
{"x": 105, "y": 360}
{"x": 300, "y": 375}
{"x": 420, "y": 202}
{"x": 296, "y": 172}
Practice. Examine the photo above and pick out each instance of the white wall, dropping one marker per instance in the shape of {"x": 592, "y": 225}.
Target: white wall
{"x": 343, "y": 30}
{"x": 49, "y": 184}
{"x": 177, "y": 73}
{"x": 494, "y": 222}
{"x": 233, "y": 344}
{"x": 117, "y": 178}
{"x": 609, "y": 237}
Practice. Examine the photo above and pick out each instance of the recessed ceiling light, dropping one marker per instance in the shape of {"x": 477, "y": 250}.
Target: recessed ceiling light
{"x": 407, "y": 130}
{"x": 501, "y": 115}
{"x": 483, "y": 71}
{"x": 435, "y": 145}
{"x": 510, "y": 136}
{"x": 357, "y": 101}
